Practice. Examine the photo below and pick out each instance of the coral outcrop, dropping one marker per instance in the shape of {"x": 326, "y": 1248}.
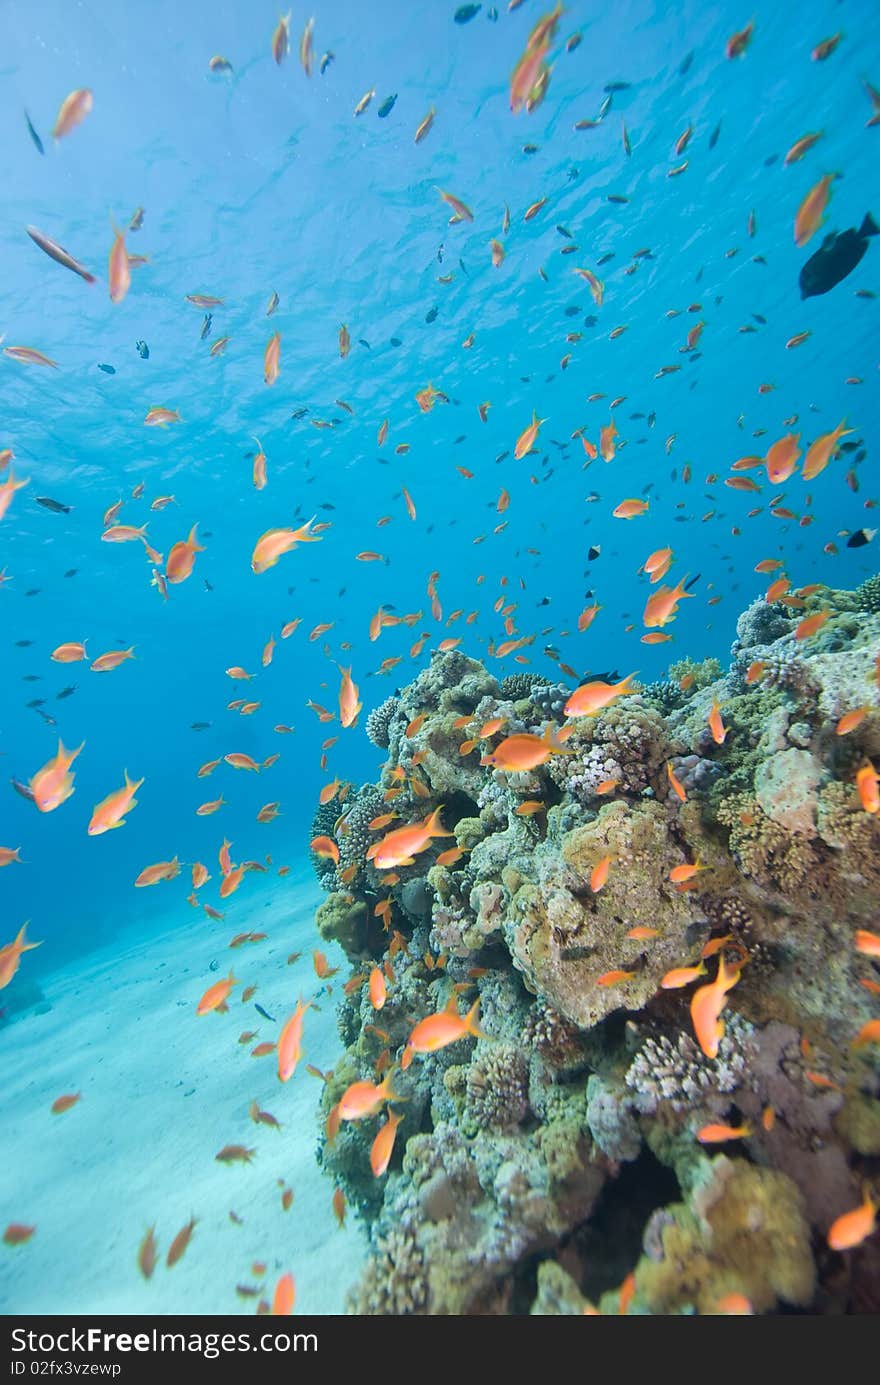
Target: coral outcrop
{"x": 561, "y": 899}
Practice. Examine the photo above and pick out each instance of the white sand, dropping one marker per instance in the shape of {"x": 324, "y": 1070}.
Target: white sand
{"x": 163, "y": 1091}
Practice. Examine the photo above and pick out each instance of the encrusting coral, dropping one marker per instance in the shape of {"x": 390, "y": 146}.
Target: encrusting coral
{"x": 566, "y": 899}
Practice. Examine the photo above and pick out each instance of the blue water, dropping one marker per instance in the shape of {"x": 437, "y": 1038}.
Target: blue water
{"x": 263, "y": 181}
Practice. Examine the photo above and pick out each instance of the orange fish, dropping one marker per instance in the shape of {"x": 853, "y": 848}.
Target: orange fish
{"x": 591, "y": 698}
{"x": 739, "y": 42}
{"x": 525, "y": 751}
{"x": 148, "y": 1253}
{"x": 383, "y": 1145}
{"x": 74, "y": 110}
{"x": 272, "y": 359}
{"x": 681, "y": 976}
{"x": 119, "y": 271}
{"x": 614, "y": 978}
{"x": 215, "y": 996}
{"x": 820, "y": 452}
{"x": 811, "y": 212}
{"x": 163, "y": 870}
{"x": 16, "y": 1233}
{"x": 868, "y": 1034}
{"x": 349, "y": 706}
{"x": 53, "y": 784}
{"x": 290, "y": 1042}
{"x": 853, "y": 1227}
{"x": 110, "y": 812}
{"x": 7, "y": 491}
{"x": 599, "y": 874}
{"x": 10, "y": 956}
{"x": 182, "y": 557}
{"x": 276, "y": 542}
{"x": 439, "y": 1030}
{"x": 707, "y": 1002}
{"x": 781, "y": 458}
{"x": 720, "y": 1134}
{"x": 528, "y": 437}
{"x": 161, "y": 417}
{"x": 661, "y": 608}
{"x": 677, "y": 787}
{"x": 867, "y": 781}
{"x": 461, "y": 211}
{"x": 630, "y": 509}
{"x": 378, "y": 991}
{"x": 64, "y": 1103}
{"x": 716, "y": 725}
{"x": 105, "y": 662}
{"x": 363, "y": 1099}
{"x": 284, "y": 1297}
{"x": 399, "y": 847}
{"x": 811, "y": 625}
{"x": 180, "y": 1243}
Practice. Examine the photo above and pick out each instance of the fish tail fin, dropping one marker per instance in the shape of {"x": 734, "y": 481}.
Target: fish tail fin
{"x": 191, "y": 541}
{"x": 623, "y": 687}
{"x": 869, "y": 226}
{"x": 437, "y": 830}
{"x": 21, "y": 943}
{"x": 470, "y": 1021}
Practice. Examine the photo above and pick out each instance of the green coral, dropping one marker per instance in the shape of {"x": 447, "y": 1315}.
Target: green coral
{"x": 742, "y": 1232}
{"x": 343, "y": 919}
{"x": 868, "y": 595}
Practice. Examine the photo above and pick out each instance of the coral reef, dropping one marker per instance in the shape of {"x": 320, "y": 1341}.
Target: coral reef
{"x": 560, "y": 908}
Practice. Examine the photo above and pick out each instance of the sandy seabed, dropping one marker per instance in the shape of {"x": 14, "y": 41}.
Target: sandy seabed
{"x": 163, "y": 1091}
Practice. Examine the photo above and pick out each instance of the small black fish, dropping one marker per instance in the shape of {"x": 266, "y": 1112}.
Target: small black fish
{"x": 71, "y": 572}
{"x": 603, "y": 259}
{"x": 23, "y": 644}
{"x": 605, "y": 106}
{"x": 713, "y": 138}
{"x": 465, "y": 13}
{"x": 200, "y": 726}
{"x": 54, "y": 505}
{"x": 208, "y": 587}
{"x": 590, "y": 320}
{"x": 770, "y": 160}
{"x": 362, "y": 342}
{"x": 501, "y": 455}
{"x": 860, "y": 538}
{"x": 265, "y": 1015}
{"x": 573, "y": 173}
{"x": 326, "y": 60}
{"x": 759, "y": 318}
{"x": 617, "y": 198}
{"x": 207, "y": 325}
{"x": 387, "y": 106}
{"x": 530, "y": 148}
{"x": 33, "y": 134}
{"x": 593, "y": 552}
{"x": 693, "y": 582}
{"x": 24, "y": 789}
{"x": 395, "y": 341}
{"x": 66, "y": 692}
{"x": 50, "y": 721}
{"x": 849, "y": 446}
{"x": 143, "y": 350}
{"x": 652, "y": 419}
{"x": 33, "y": 591}
{"x": 37, "y": 702}
{"x": 462, "y": 266}
{"x": 492, "y": 14}
{"x": 32, "y": 678}
{"x": 836, "y": 257}
{"x": 325, "y": 505}
{"x": 616, "y": 86}
{"x": 300, "y": 412}
{"x": 564, "y": 231}
{"x": 107, "y": 369}
{"x": 431, "y": 314}
{"x": 684, "y": 65}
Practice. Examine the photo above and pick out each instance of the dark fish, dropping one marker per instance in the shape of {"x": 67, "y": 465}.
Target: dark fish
{"x": 395, "y": 341}
{"x": 387, "y": 106}
{"x": 573, "y": 174}
{"x": 465, "y": 13}
{"x": 618, "y": 198}
{"x": 300, "y": 412}
{"x": 693, "y": 582}
{"x": 759, "y": 318}
{"x": 431, "y": 314}
{"x": 326, "y": 60}
{"x": 71, "y": 572}
{"x": 593, "y": 552}
{"x": 564, "y": 231}
{"x": 107, "y": 369}
{"x": 685, "y": 64}
{"x": 24, "y": 789}
{"x": 33, "y": 134}
{"x": 32, "y": 678}
{"x": 849, "y": 446}
{"x": 143, "y": 350}
{"x": 200, "y": 726}
{"x": 605, "y": 106}
{"x": 362, "y": 342}
{"x": 37, "y": 702}
{"x": 502, "y": 455}
{"x": 50, "y": 721}
{"x": 325, "y": 505}
{"x": 603, "y": 259}
{"x": 137, "y": 219}
{"x": 590, "y": 320}
{"x": 33, "y": 591}
{"x": 770, "y": 160}
{"x": 58, "y": 254}
{"x": 530, "y": 148}
{"x": 23, "y": 644}
{"x": 206, "y": 325}
{"x": 616, "y": 86}
{"x": 54, "y": 505}
{"x": 860, "y": 538}
{"x": 492, "y": 14}
{"x": 713, "y": 138}
{"x": 836, "y": 257}
{"x": 66, "y": 692}
{"x": 572, "y": 310}
{"x": 265, "y": 1015}
{"x": 208, "y": 587}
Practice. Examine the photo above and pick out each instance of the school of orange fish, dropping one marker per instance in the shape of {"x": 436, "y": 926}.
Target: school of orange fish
{"x": 52, "y": 785}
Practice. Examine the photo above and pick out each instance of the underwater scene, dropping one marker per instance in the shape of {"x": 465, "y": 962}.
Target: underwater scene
{"x": 440, "y": 647}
